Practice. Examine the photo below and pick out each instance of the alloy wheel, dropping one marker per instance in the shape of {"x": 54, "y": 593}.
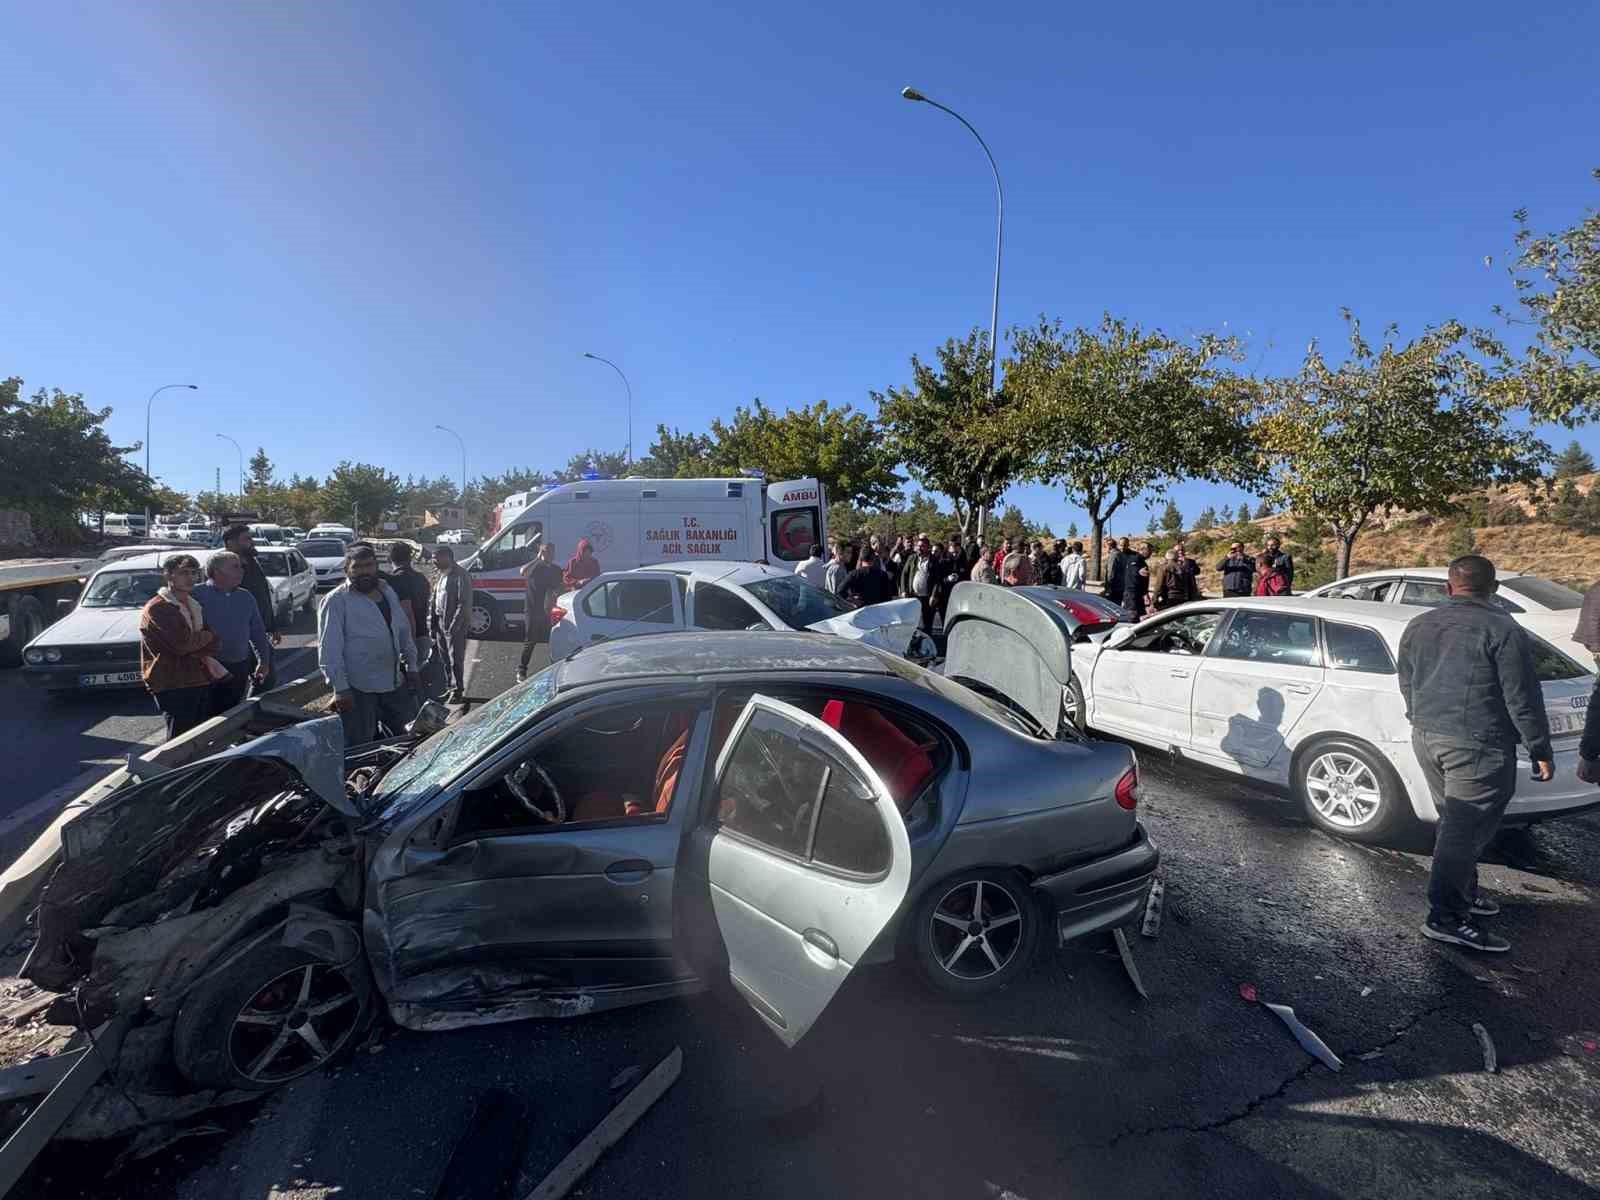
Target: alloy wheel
{"x": 478, "y": 621}
{"x": 976, "y": 929}
{"x": 294, "y": 1024}
{"x": 1343, "y": 789}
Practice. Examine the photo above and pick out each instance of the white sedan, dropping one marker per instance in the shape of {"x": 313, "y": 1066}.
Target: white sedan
{"x": 294, "y": 583}
{"x": 1549, "y": 609}
{"x": 725, "y": 596}
{"x": 1302, "y": 693}
{"x": 326, "y": 556}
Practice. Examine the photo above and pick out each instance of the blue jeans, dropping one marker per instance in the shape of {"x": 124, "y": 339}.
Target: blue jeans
{"x": 1472, "y": 782}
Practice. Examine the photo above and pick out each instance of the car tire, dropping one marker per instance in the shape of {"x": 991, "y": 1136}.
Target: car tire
{"x": 1077, "y": 709}
{"x": 960, "y": 962}
{"x": 1349, "y": 790}
{"x": 27, "y": 623}
{"x": 228, "y": 1025}
{"x": 483, "y": 619}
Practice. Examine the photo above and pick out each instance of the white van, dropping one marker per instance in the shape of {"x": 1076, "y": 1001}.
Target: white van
{"x": 326, "y": 529}
{"x": 639, "y": 522}
{"x": 125, "y": 525}
{"x": 266, "y": 534}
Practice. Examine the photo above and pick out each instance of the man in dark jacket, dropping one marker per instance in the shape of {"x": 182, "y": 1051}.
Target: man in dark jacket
{"x": 237, "y": 538}
{"x": 1588, "y": 631}
{"x": 1136, "y": 578}
{"x": 869, "y": 583}
{"x": 1116, "y": 569}
{"x": 544, "y": 585}
{"x": 1471, "y": 692}
{"x": 1238, "y": 571}
{"x": 1274, "y": 553}
{"x": 919, "y": 577}
{"x": 447, "y": 620}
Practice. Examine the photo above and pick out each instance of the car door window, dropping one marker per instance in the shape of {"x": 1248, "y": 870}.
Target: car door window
{"x": 1188, "y": 634}
{"x": 1270, "y": 637}
{"x": 718, "y": 608}
{"x": 1356, "y": 648}
{"x": 1361, "y": 589}
{"x": 1429, "y": 593}
{"x": 780, "y": 787}
{"x": 645, "y": 600}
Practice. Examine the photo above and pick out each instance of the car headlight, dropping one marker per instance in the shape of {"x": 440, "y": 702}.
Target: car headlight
{"x": 34, "y": 656}
{"x": 51, "y": 654}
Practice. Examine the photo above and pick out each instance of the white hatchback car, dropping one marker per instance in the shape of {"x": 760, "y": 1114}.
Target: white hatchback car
{"x": 326, "y": 556}
{"x": 1549, "y": 609}
{"x": 1303, "y": 693}
{"x": 725, "y": 596}
{"x": 294, "y": 583}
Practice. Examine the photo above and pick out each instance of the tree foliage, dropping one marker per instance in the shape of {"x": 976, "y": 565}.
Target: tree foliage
{"x": 1574, "y": 460}
{"x": 1171, "y": 520}
{"x": 676, "y": 455}
{"x": 953, "y": 436}
{"x": 1117, "y": 411}
{"x": 1392, "y": 427}
{"x": 839, "y": 446}
{"x": 1557, "y": 280}
{"x": 361, "y": 493}
{"x": 260, "y": 477}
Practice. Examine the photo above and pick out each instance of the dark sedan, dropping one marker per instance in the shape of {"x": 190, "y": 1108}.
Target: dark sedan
{"x": 650, "y": 815}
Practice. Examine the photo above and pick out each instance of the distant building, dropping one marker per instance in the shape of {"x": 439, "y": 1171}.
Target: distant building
{"x": 452, "y": 516}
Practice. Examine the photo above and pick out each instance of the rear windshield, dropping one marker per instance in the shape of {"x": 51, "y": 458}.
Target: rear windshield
{"x": 272, "y": 564}
{"x": 799, "y": 603}
{"x": 1550, "y": 664}
{"x": 1549, "y": 595}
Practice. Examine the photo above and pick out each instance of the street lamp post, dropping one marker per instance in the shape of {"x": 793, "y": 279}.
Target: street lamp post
{"x": 911, "y": 93}
{"x": 240, "y": 449}
{"x": 463, "y": 446}
{"x": 192, "y": 387}
{"x": 627, "y": 385}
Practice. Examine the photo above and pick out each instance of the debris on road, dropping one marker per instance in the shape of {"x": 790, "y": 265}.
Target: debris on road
{"x": 1310, "y": 1042}
{"x": 610, "y": 1130}
{"x": 1152, "y": 910}
{"x": 1369, "y": 1055}
{"x": 1247, "y": 993}
{"x": 626, "y": 1077}
{"x": 1491, "y": 1063}
{"x": 1365, "y": 992}
{"x": 1128, "y": 965}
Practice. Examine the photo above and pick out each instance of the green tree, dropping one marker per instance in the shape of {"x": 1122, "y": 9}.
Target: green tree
{"x": 1461, "y": 540}
{"x": 214, "y": 504}
{"x": 1114, "y": 412}
{"x": 1557, "y": 280}
{"x": 56, "y": 461}
{"x": 840, "y": 447}
{"x": 1244, "y": 516}
{"x": 1224, "y": 517}
{"x": 1072, "y": 530}
{"x": 1207, "y": 518}
{"x": 1574, "y": 460}
{"x": 676, "y": 455}
{"x": 260, "y": 477}
{"x": 1171, "y": 520}
{"x": 1568, "y": 507}
{"x": 1154, "y": 527}
{"x": 608, "y": 464}
{"x": 361, "y": 493}
{"x": 953, "y": 436}
{"x": 1013, "y": 525}
{"x": 1394, "y": 427}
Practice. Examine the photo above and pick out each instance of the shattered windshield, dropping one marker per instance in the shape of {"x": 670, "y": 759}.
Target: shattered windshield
{"x": 451, "y": 750}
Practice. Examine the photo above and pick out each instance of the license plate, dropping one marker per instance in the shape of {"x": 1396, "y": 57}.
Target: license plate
{"x": 112, "y": 680}
{"x": 1566, "y": 722}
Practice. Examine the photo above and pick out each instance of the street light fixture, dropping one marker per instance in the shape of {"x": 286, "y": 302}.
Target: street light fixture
{"x": 627, "y": 385}
{"x": 463, "y": 446}
{"x": 240, "y": 449}
{"x": 192, "y": 387}
{"x": 911, "y": 93}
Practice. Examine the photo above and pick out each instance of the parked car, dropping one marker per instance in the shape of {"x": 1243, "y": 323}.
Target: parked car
{"x": 123, "y": 553}
{"x": 95, "y": 645}
{"x": 326, "y": 529}
{"x": 1549, "y": 609}
{"x": 648, "y": 817}
{"x": 294, "y": 583}
{"x": 326, "y": 556}
{"x": 1302, "y": 693}
{"x": 268, "y": 534}
{"x": 1088, "y": 612}
{"x": 457, "y": 537}
{"x": 294, "y": 533}
{"x": 722, "y": 595}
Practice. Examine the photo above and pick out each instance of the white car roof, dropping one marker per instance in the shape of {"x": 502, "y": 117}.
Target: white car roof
{"x": 739, "y": 574}
{"x": 1388, "y": 619}
{"x": 1412, "y": 572}
{"x": 150, "y": 560}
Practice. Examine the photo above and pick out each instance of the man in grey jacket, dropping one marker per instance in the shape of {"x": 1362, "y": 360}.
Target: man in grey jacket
{"x": 1471, "y": 692}
{"x": 447, "y": 620}
{"x": 367, "y": 652}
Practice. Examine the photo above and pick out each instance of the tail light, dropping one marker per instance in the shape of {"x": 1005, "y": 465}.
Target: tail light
{"x": 556, "y": 613}
{"x": 1128, "y": 789}
{"x": 1081, "y": 613}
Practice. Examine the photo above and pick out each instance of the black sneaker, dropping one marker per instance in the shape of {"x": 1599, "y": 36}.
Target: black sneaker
{"x": 1485, "y": 907}
{"x": 1466, "y": 934}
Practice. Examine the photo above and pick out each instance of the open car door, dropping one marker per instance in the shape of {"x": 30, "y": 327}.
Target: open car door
{"x": 801, "y": 859}
{"x": 1011, "y": 648}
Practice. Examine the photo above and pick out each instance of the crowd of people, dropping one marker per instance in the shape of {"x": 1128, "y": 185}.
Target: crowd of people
{"x": 1136, "y": 577}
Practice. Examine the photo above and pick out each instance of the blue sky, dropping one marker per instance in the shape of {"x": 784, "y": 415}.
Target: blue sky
{"x": 347, "y": 222}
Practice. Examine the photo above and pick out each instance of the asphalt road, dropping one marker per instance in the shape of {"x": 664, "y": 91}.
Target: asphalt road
{"x": 1065, "y": 1084}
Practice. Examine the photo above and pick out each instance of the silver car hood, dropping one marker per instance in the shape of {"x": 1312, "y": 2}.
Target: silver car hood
{"x": 1011, "y": 646}
{"x": 878, "y": 625}
{"x": 315, "y": 749}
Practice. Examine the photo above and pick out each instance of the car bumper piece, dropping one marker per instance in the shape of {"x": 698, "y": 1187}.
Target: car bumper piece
{"x": 1103, "y": 893}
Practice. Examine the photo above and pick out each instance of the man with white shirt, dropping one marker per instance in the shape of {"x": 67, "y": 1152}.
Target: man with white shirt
{"x": 367, "y": 652}
{"x": 815, "y": 568}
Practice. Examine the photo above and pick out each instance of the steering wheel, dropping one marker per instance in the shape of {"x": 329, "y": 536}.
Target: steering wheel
{"x": 516, "y": 780}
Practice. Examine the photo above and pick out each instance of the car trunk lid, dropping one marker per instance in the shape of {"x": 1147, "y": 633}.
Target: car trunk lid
{"x": 1010, "y": 646}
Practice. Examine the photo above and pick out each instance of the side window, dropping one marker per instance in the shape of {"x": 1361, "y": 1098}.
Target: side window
{"x": 647, "y": 600}
{"x": 1270, "y": 637}
{"x": 1356, "y": 648}
{"x": 718, "y": 608}
{"x": 794, "y": 532}
{"x": 1366, "y": 589}
{"x": 780, "y": 788}
{"x": 1427, "y": 592}
{"x": 1188, "y": 634}
{"x": 517, "y": 546}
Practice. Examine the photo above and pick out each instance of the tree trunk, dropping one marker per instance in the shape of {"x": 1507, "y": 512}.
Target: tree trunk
{"x": 1347, "y": 542}
{"x": 1097, "y": 527}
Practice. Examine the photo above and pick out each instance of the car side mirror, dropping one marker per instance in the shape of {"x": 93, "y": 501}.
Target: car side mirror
{"x": 63, "y": 607}
{"x": 1120, "y": 636}
{"x": 759, "y": 627}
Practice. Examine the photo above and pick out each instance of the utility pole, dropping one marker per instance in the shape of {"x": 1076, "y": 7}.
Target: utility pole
{"x": 219, "y": 481}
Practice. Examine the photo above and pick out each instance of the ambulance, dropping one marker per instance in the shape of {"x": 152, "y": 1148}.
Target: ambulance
{"x": 638, "y": 523}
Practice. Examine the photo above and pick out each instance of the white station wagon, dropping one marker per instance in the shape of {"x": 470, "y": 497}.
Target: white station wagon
{"x": 1303, "y": 693}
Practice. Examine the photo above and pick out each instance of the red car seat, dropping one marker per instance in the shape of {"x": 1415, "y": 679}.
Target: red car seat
{"x": 901, "y": 762}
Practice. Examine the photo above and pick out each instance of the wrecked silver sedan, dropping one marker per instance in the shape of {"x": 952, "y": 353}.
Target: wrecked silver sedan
{"x": 767, "y": 809}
